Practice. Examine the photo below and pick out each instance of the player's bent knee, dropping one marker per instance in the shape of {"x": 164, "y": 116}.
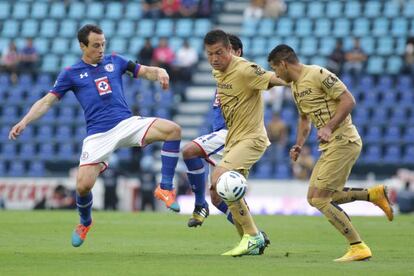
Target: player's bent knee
{"x": 216, "y": 200}
{"x": 190, "y": 150}
{"x": 319, "y": 202}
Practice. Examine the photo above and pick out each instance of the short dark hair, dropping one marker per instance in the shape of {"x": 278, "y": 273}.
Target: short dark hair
{"x": 283, "y": 52}
{"x": 236, "y": 43}
{"x": 215, "y": 36}
{"x": 83, "y": 32}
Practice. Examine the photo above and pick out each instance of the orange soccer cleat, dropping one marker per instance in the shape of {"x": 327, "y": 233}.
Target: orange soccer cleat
{"x": 168, "y": 197}
{"x": 79, "y": 234}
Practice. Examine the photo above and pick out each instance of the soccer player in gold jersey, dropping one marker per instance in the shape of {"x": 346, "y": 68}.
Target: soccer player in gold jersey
{"x": 239, "y": 87}
{"x": 323, "y": 100}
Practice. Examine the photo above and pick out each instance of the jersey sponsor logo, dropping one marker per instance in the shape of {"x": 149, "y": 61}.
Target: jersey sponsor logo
{"x": 109, "y": 67}
{"x": 258, "y": 70}
{"x": 83, "y": 75}
{"x": 303, "y": 93}
{"x": 329, "y": 81}
{"x": 102, "y": 84}
{"x": 225, "y": 85}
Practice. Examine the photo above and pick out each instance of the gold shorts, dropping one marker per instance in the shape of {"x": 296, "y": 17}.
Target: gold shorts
{"x": 334, "y": 166}
{"x": 241, "y": 155}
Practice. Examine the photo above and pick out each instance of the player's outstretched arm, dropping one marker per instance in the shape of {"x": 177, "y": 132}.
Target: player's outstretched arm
{"x": 36, "y": 111}
{"x": 276, "y": 81}
{"x": 304, "y": 128}
{"x": 155, "y": 74}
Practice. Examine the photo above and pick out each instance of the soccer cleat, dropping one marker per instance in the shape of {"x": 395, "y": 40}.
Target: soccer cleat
{"x": 168, "y": 197}
{"x": 248, "y": 245}
{"x": 200, "y": 213}
{"x": 265, "y": 244}
{"x": 356, "y": 252}
{"x": 79, "y": 234}
{"x": 378, "y": 196}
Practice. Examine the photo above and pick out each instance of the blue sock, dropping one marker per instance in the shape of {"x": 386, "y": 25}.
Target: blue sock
{"x": 169, "y": 158}
{"x": 196, "y": 176}
{"x": 84, "y": 204}
{"x": 225, "y": 209}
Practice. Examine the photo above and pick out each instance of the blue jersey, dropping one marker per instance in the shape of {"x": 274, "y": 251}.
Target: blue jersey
{"x": 99, "y": 90}
{"x": 218, "y": 119}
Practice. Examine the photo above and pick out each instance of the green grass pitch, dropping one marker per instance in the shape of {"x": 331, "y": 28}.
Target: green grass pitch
{"x": 38, "y": 243}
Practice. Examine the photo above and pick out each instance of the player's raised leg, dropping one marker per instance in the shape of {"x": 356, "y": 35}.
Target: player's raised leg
{"x": 170, "y": 133}
{"x": 196, "y": 175}
{"x": 86, "y": 178}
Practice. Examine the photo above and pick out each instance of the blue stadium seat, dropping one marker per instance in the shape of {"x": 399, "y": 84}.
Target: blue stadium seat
{"x": 95, "y": 10}
{"x": 394, "y": 64}
{"x": 4, "y": 10}
{"x": 361, "y": 27}
{"x": 385, "y": 83}
{"x": 323, "y": 28}
{"x": 135, "y": 44}
{"x": 375, "y": 65}
{"x": 44, "y": 132}
{"x": 27, "y": 135}
{"x": 175, "y": 43}
{"x": 48, "y": 28}
{"x": 409, "y": 154}
{"x": 392, "y": 154}
{"x": 145, "y": 28}
{"x": 65, "y": 152}
{"x": 114, "y": 10}
{"x": 258, "y": 46}
{"x": 162, "y": 113}
{"x": 263, "y": 171}
{"x": 399, "y": 116}
{"x": 197, "y": 44}
{"x": 9, "y": 150}
{"x": 39, "y": 10}
{"x": 57, "y": 10}
{"x": 303, "y": 27}
{"x": 316, "y": 10}
{"x": 77, "y": 10}
{"x": 352, "y": 9}
{"x": 399, "y": 27}
{"x": 60, "y": 46}
{"x": 373, "y": 135}
{"x": 20, "y": 10}
{"x": 392, "y": 9}
{"x": 334, "y": 9}
{"x": 341, "y": 27}
{"x": 201, "y": 27}
{"x": 266, "y": 27}
{"x": 164, "y": 27}
{"x": 46, "y": 151}
{"x": 133, "y": 10}
{"x": 292, "y": 42}
{"x": 74, "y": 47}
{"x": 69, "y": 60}
{"x": 372, "y": 9}
{"x": 309, "y": 46}
{"x": 17, "y": 169}
{"x": 27, "y": 151}
{"x": 41, "y": 45}
{"x": 284, "y": 27}
{"x": 66, "y": 114}
{"x": 360, "y": 116}
{"x": 68, "y": 28}
{"x": 10, "y": 28}
{"x": 108, "y": 26}
{"x": 249, "y": 27}
{"x": 10, "y": 114}
{"x": 118, "y": 44}
{"x": 80, "y": 133}
{"x": 63, "y": 133}
{"x": 296, "y": 10}
{"x": 368, "y": 44}
{"x": 282, "y": 171}
{"x": 408, "y": 9}
{"x": 326, "y": 45}
{"x": 380, "y": 27}
{"x": 50, "y": 63}
{"x": 3, "y": 167}
{"x": 183, "y": 27}
{"x": 373, "y": 155}
{"x": 385, "y": 46}
{"x": 392, "y": 134}
{"x": 29, "y": 28}
{"x": 124, "y": 154}
{"x": 36, "y": 169}
{"x": 126, "y": 28}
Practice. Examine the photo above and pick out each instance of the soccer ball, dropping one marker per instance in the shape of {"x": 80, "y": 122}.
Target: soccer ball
{"x": 231, "y": 186}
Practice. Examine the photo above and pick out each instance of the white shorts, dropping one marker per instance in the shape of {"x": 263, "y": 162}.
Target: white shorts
{"x": 130, "y": 132}
{"x": 212, "y": 145}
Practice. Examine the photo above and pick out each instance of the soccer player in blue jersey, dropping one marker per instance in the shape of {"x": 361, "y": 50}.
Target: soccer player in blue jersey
{"x": 96, "y": 81}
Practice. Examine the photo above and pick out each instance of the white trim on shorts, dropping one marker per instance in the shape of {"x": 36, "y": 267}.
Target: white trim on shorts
{"x": 131, "y": 132}
{"x": 212, "y": 145}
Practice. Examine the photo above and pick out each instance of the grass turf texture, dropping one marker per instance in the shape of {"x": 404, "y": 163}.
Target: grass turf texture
{"x": 38, "y": 243}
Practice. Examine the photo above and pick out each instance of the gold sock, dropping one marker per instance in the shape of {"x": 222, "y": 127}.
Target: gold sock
{"x": 349, "y": 195}
{"x": 242, "y": 216}
{"x": 338, "y": 218}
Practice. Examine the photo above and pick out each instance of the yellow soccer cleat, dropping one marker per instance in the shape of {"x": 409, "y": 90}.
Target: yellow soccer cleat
{"x": 378, "y": 196}
{"x": 357, "y": 252}
{"x": 248, "y": 245}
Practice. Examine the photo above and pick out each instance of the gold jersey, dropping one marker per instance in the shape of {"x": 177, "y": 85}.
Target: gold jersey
{"x": 239, "y": 90}
{"x": 316, "y": 95}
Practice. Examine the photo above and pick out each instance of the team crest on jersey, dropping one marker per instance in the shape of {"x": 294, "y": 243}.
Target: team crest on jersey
{"x": 329, "y": 81}
{"x": 109, "y": 67}
{"x": 103, "y": 86}
{"x": 258, "y": 70}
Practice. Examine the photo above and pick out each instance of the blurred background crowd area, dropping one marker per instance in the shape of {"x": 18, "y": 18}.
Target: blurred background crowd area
{"x": 369, "y": 44}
